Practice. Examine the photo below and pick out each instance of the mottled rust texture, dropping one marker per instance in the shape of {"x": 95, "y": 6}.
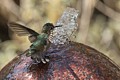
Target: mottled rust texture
{"x": 72, "y": 61}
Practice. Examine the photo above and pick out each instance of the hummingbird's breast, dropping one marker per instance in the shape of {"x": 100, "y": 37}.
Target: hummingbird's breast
{"x": 40, "y": 42}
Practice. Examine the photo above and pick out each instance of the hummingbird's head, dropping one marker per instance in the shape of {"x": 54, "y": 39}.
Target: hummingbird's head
{"x": 47, "y": 28}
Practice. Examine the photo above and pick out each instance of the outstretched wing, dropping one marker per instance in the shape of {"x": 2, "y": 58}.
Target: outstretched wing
{"x": 21, "y": 30}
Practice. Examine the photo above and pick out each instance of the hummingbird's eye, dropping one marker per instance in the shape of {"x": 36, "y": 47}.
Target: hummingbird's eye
{"x": 52, "y": 27}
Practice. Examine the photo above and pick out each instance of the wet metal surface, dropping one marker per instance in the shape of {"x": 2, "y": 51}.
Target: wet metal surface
{"x": 73, "y": 61}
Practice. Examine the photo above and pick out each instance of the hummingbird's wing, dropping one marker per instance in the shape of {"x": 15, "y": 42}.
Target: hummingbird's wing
{"x": 21, "y": 30}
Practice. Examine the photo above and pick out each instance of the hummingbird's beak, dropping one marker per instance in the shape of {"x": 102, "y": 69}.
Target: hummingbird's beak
{"x": 59, "y": 26}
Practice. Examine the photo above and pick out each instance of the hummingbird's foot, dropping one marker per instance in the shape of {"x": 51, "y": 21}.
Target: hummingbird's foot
{"x": 45, "y": 59}
{"x": 39, "y": 60}
{"x": 39, "y": 57}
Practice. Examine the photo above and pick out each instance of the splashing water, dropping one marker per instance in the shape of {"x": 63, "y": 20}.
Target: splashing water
{"x": 68, "y": 20}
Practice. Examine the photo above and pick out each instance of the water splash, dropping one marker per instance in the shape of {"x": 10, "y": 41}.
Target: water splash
{"x": 68, "y": 20}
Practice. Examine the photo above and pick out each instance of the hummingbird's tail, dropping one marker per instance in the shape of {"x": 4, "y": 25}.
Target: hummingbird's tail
{"x": 27, "y": 53}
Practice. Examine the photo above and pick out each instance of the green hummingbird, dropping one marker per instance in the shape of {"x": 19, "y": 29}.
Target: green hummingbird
{"x": 40, "y": 42}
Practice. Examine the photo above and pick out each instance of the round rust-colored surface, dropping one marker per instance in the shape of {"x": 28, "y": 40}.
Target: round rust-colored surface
{"x": 72, "y": 61}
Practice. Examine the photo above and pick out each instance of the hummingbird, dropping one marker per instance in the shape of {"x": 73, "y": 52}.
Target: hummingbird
{"x": 40, "y": 42}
